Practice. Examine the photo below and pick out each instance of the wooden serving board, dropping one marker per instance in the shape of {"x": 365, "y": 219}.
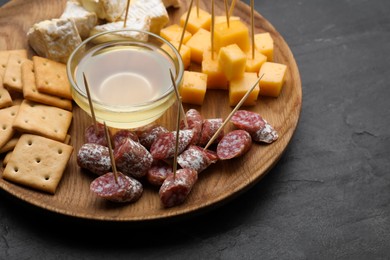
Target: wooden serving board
{"x": 220, "y": 182}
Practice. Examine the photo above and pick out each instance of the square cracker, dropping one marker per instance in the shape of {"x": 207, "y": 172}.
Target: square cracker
{"x": 38, "y": 162}
{"x": 4, "y": 55}
{"x": 7, "y": 116}
{"x": 5, "y": 97}
{"x": 12, "y": 79}
{"x": 31, "y": 92}
{"x": 51, "y": 77}
{"x": 48, "y": 121}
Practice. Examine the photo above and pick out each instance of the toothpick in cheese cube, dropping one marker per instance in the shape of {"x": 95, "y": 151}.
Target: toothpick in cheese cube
{"x": 254, "y": 64}
{"x": 273, "y": 79}
{"x": 196, "y": 22}
{"x": 173, "y": 33}
{"x": 237, "y": 32}
{"x": 239, "y": 87}
{"x": 216, "y": 79}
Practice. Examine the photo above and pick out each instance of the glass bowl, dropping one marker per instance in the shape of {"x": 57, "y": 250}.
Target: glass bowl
{"x": 128, "y": 75}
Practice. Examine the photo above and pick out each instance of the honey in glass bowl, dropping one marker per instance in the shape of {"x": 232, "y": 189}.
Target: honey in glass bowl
{"x": 128, "y": 77}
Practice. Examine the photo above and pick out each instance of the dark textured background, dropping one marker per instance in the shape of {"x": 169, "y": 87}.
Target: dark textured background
{"x": 327, "y": 198}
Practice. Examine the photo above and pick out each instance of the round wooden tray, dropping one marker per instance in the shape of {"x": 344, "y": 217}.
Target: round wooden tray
{"x": 223, "y": 180}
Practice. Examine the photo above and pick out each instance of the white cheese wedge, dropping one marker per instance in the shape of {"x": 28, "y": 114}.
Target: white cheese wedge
{"x": 54, "y": 39}
{"x": 109, "y": 10}
{"x": 169, "y": 3}
{"x": 83, "y": 19}
{"x": 142, "y": 24}
{"x": 154, "y": 9}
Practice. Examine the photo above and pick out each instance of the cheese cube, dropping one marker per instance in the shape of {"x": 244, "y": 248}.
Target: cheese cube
{"x": 185, "y": 53}
{"x": 193, "y": 87}
{"x": 265, "y": 44}
{"x": 216, "y": 79}
{"x": 196, "y": 22}
{"x": 173, "y": 33}
{"x": 222, "y": 18}
{"x": 254, "y": 64}
{"x": 239, "y": 87}
{"x": 232, "y": 61}
{"x": 237, "y": 32}
{"x": 274, "y": 77}
{"x": 198, "y": 43}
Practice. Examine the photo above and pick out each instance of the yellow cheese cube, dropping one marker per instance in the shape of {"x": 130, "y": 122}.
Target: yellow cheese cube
{"x": 265, "y": 44}
{"x": 254, "y": 64}
{"x": 196, "y": 22}
{"x": 193, "y": 87}
{"x": 185, "y": 53}
{"x": 232, "y": 61}
{"x": 239, "y": 87}
{"x": 216, "y": 79}
{"x": 237, "y": 32}
{"x": 198, "y": 43}
{"x": 222, "y": 18}
{"x": 274, "y": 77}
{"x": 173, "y": 33}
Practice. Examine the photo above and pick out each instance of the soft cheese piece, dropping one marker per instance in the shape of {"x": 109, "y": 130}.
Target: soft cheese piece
{"x": 110, "y": 10}
{"x": 154, "y": 9}
{"x": 83, "y": 19}
{"x": 54, "y": 39}
{"x": 169, "y": 3}
{"x": 132, "y": 23}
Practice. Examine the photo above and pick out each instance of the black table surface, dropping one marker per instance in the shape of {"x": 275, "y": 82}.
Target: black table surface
{"x": 327, "y": 198}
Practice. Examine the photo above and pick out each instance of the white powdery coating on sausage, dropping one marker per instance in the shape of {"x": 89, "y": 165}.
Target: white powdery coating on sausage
{"x": 233, "y": 144}
{"x": 267, "y": 134}
{"x": 94, "y": 157}
{"x": 164, "y": 146}
{"x": 247, "y": 120}
{"x": 192, "y": 158}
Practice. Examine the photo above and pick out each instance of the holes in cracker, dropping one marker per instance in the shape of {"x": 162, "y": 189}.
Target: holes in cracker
{"x": 13, "y": 113}
{"x": 47, "y": 82}
{"x": 26, "y": 121}
{"x": 59, "y": 151}
{"x": 4, "y": 127}
{"x": 47, "y": 178}
{"x": 19, "y": 61}
{"x": 60, "y": 114}
{"x": 16, "y": 169}
{"x": 14, "y": 79}
{"x": 38, "y": 160}
{"x": 58, "y": 76}
{"x": 3, "y": 65}
{"x": 29, "y": 142}
{"x": 43, "y": 117}
{"x": 55, "y": 130}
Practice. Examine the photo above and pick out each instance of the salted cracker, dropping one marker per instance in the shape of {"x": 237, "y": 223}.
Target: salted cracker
{"x": 31, "y": 92}
{"x": 7, "y": 116}
{"x": 47, "y": 121}
{"x": 10, "y": 145}
{"x": 12, "y": 79}
{"x": 38, "y": 162}
{"x": 5, "y": 97}
{"x": 51, "y": 77}
{"x": 4, "y": 55}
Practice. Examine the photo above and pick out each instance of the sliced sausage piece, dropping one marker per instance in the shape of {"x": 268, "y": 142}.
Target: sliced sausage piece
{"x": 195, "y": 122}
{"x": 210, "y": 127}
{"x": 267, "y": 134}
{"x": 122, "y": 134}
{"x": 234, "y": 144}
{"x": 247, "y": 120}
{"x": 164, "y": 146}
{"x": 176, "y": 187}
{"x": 124, "y": 189}
{"x": 148, "y": 135}
{"x": 94, "y": 158}
{"x": 132, "y": 158}
{"x": 259, "y": 129}
{"x": 157, "y": 174}
{"x": 196, "y": 158}
{"x": 95, "y": 135}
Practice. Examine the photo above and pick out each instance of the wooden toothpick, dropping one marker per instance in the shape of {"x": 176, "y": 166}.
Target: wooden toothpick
{"x": 212, "y": 29}
{"x": 232, "y": 113}
{"x": 178, "y": 97}
{"x": 253, "y": 28}
{"x": 127, "y": 12}
{"x": 232, "y": 5}
{"x": 197, "y": 8}
{"x": 185, "y": 25}
{"x": 90, "y": 102}
{"x": 227, "y": 13}
{"x": 111, "y": 153}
